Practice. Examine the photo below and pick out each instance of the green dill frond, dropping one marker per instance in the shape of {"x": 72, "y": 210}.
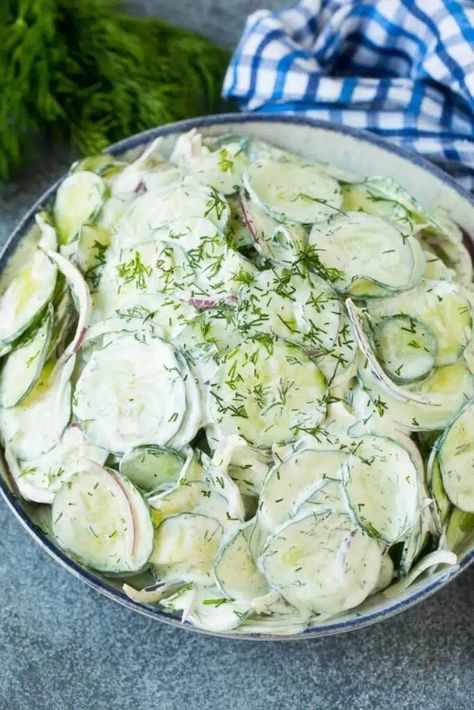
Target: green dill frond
{"x": 92, "y": 75}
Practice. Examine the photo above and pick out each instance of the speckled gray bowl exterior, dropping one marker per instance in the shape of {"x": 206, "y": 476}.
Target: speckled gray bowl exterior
{"x": 346, "y": 148}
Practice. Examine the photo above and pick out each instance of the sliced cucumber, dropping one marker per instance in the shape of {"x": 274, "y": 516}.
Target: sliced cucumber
{"x": 78, "y": 201}
{"x": 431, "y": 406}
{"x": 39, "y": 479}
{"x": 304, "y": 310}
{"x": 322, "y": 563}
{"x": 365, "y": 197}
{"x": 187, "y": 199}
{"x": 103, "y": 523}
{"x": 442, "y": 505}
{"x": 100, "y": 163}
{"x": 293, "y": 192}
{"x": 235, "y": 569}
{"x": 267, "y": 392}
{"x": 405, "y": 347}
{"x": 216, "y": 474}
{"x": 445, "y": 238}
{"x": 436, "y": 269}
{"x": 81, "y": 297}
{"x": 338, "y": 363}
{"x": 91, "y": 252}
{"x": 329, "y": 498}
{"x": 185, "y": 546}
{"x": 291, "y": 482}
{"x": 152, "y": 468}
{"x": 194, "y": 415}
{"x": 248, "y": 467}
{"x": 36, "y": 425}
{"x": 23, "y": 366}
{"x": 189, "y": 496}
{"x": 443, "y": 307}
{"x": 460, "y": 526}
{"x": 366, "y": 251}
{"x": 131, "y": 393}
{"x": 382, "y": 489}
{"x": 26, "y": 298}
{"x": 456, "y": 460}
{"x": 274, "y": 240}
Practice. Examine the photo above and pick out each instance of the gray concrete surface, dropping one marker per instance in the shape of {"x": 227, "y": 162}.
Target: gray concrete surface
{"x": 64, "y": 647}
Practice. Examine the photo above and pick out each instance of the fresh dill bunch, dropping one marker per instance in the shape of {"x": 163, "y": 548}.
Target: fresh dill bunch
{"x": 90, "y": 74}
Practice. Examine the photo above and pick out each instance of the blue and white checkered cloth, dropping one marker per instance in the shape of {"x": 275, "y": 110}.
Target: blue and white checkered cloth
{"x": 401, "y": 68}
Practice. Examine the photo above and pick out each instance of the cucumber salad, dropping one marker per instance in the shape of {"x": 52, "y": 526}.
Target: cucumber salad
{"x": 241, "y": 384}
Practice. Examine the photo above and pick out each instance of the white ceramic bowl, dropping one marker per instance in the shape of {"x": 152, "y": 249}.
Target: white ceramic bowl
{"x": 346, "y": 148}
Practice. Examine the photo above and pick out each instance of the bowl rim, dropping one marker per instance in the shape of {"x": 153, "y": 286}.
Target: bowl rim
{"x": 361, "y": 619}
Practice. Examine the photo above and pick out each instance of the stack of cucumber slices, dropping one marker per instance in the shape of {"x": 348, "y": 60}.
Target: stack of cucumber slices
{"x": 241, "y": 384}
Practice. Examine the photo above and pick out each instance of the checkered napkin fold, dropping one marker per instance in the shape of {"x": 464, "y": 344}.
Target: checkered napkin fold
{"x": 403, "y": 69}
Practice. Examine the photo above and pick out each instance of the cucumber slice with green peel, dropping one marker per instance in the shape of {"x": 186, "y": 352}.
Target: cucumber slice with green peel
{"x": 24, "y": 302}
{"x": 185, "y": 546}
{"x": 91, "y": 252}
{"x": 100, "y": 522}
{"x": 329, "y": 498}
{"x": 322, "y": 563}
{"x": 131, "y": 393}
{"x": 194, "y": 496}
{"x": 81, "y": 297}
{"x": 248, "y": 467}
{"x": 338, "y": 363}
{"x": 186, "y": 199}
{"x": 436, "y": 269}
{"x": 405, "y": 347}
{"x": 365, "y": 197}
{"x": 442, "y": 505}
{"x": 104, "y": 164}
{"x": 426, "y": 405}
{"x": 367, "y": 250}
{"x": 292, "y": 482}
{"x": 381, "y": 487}
{"x": 460, "y": 525}
{"x": 235, "y": 570}
{"x": 300, "y": 309}
{"x": 456, "y": 460}
{"x": 443, "y": 307}
{"x": 194, "y": 415}
{"x": 39, "y": 479}
{"x": 152, "y": 468}
{"x": 381, "y": 194}
{"x": 78, "y": 201}
{"x": 49, "y": 402}
{"x": 445, "y": 239}
{"x": 23, "y": 366}
{"x": 292, "y": 192}
{"x": 215, "y": 472}
{"x": 281, "y": 243}
{"x": 266, "y": 392}
{"x": 431, "y": 406}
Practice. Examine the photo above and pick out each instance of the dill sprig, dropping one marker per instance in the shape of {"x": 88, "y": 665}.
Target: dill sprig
{"x": 87, "y": 73}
